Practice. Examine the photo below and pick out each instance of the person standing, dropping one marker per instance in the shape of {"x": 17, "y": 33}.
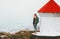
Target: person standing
{"x": 35, "y": 21}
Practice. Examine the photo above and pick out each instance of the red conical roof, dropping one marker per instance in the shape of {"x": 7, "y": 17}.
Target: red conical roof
{"x": 50, "y": 7}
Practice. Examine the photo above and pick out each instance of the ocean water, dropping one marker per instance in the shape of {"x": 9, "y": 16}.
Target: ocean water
{"x": 13, "y": 27}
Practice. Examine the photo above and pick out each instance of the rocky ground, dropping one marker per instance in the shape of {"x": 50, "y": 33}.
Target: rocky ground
{"x": 23, "y": 34}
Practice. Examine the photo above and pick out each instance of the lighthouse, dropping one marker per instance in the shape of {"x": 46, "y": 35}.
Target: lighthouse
{"x": 50, "y": 19}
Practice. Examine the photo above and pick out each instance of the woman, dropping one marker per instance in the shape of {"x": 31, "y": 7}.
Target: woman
{"x": 35, "y": 21}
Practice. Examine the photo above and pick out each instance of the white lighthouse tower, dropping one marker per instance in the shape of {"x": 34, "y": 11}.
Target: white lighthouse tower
{"x": 50, "y": 19}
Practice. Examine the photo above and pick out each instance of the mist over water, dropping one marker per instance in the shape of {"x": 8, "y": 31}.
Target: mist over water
{"x": 17, "y": 14}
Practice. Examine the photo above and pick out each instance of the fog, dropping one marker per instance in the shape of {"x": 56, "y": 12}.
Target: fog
{"x": 18, "y": 14}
